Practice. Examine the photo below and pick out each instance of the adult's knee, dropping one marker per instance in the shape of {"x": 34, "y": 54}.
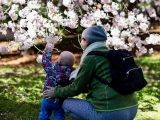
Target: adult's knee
{"x": 66, "y": 104}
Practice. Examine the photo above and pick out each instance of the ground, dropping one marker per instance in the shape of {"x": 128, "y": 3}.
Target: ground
{"x": 21, "y": 83}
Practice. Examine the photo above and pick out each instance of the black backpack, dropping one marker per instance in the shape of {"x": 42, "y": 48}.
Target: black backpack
{"x": 127, "y": 77}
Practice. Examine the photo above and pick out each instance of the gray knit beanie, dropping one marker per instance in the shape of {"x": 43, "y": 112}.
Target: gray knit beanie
{"x": 94, "y": 34}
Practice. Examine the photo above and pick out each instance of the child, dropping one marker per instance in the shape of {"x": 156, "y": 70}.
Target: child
{"x": 57, "y": 75}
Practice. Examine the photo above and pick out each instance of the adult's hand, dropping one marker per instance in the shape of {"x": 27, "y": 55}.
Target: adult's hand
{"x": 49, "y": 93}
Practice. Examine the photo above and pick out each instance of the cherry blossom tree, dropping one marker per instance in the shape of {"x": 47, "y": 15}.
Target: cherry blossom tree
{"x": 126, "y": 22}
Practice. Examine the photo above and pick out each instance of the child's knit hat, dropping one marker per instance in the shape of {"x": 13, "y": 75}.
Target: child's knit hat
{"x": 94, "y": 34}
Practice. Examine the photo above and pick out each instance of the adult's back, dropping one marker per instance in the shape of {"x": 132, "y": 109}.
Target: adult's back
{"x": 101, "y": 96}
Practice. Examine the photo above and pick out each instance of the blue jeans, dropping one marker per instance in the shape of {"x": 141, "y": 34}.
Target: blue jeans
{"x": 82, "y": 110}
{"x": 49, "y": 106}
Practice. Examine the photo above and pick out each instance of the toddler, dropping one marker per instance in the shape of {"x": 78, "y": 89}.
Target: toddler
{"x": 58, "y": 74}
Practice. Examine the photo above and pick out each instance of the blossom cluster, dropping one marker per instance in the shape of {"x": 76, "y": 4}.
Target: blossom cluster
{"x": 27, "y": 23}
{"x": 124, "y": 21}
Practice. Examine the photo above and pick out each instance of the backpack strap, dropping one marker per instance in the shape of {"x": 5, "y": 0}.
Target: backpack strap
{"x": 102, "y": 80}
{"x": 103, "y": 54}
{"x": 99, "y": 53}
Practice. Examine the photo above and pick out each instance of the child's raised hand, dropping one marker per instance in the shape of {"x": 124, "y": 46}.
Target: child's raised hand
{"x": 49, "y": 46}
{"x": 52, "y": 39}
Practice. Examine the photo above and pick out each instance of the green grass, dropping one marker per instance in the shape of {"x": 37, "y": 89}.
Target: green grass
{"x": 20, "y": 97}
{"x": 21, "y": 91}
{"x": 149, "y": 97}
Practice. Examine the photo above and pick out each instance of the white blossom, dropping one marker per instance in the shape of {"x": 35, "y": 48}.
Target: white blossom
{"x": 33, "y": 4}
{"x": 143, "y": 27}
{"x": 90, "y": 2}
{"x": 20, "y": 36}
{"x": 153, "y": 39}
{"x": 107, "y": 8}
{"x": 12, "y": 13}
{"x": 116, "y": 42}
{"x": 125, "y": 34}
{"x": 87, "y": 20}
{"x": 2, "y": 16}
{"x": 31, "y": 19}
{"x": 115, "y": 32}
{"x": 22, "y": 2}
{"x": 107, "y": 27}
{"x": 24, "y": 12}
{"x": 150, "y": 51}
{"x": 98, "y": 14}
{"x": 115, "y": 6}
{"x": 152, "y": 12}
{"x": 132, "y": 1}
{"x": 131, "y": 19}
{"x": 141, "y": 18}
{"x": 121, "y": 22}
{"x": 80, "y": 1}
{"x": 67, "y": 2}
{"x": 5, "y": 2}
{"x": 85, "y": 7}
{"x": 27, "y": 44}
{"x": 3, "y": 28}
{"x": 32, "y": 33}
{"x": 12, "y": 26}
{"x": 23, "y": 23}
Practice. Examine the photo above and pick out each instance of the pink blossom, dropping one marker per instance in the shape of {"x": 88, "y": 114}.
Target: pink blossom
{"x": 80, "y": 1}
{"x": 30, "y": 19}
{"x": 2, "y": 16}
{"x": 152, "y": 12}
{"x": 107, "y": 27}
{"x": 106, "y": 1}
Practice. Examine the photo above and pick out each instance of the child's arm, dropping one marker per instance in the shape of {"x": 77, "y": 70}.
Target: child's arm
{"x": 47, "y": 55}
{"x": 46, "y": 60}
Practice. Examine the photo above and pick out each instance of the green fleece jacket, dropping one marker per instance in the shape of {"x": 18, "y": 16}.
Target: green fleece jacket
{"x": 101, "y": 96}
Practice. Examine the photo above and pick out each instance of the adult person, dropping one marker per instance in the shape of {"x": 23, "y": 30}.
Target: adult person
{"x": 102, "y": 102}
